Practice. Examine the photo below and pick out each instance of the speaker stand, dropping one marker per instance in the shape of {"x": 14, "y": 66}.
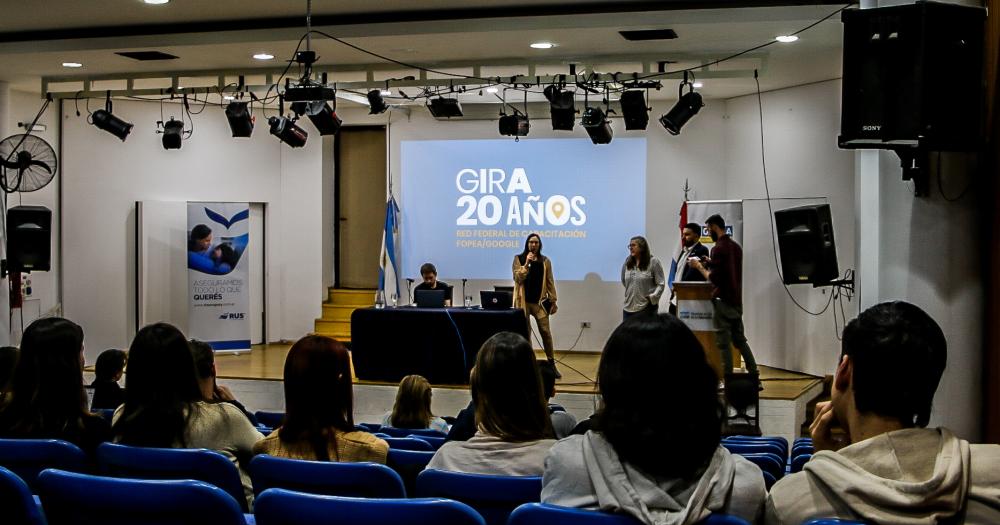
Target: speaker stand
{"x": 915, "y": 167}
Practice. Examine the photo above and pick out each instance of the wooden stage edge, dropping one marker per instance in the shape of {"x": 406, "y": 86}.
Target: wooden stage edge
{"x": 266, "y": 363}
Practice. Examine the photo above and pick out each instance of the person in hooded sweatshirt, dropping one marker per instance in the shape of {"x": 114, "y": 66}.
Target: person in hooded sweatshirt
{"x": 888, "y": 467}
{"x": 663, "y": 470}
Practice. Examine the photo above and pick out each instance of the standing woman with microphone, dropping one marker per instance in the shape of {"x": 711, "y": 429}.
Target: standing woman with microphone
{"x": 642, "y": 277}
{"x": 535, "y": 291}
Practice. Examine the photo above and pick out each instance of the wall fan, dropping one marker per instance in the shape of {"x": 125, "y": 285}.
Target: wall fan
{"x": 28, "y": 163}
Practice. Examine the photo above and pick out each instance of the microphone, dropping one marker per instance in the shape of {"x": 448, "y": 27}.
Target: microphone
{"x": 409, "y": 280}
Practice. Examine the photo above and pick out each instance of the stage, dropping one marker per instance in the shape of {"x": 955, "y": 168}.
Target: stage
{"x": 255, "y": 378}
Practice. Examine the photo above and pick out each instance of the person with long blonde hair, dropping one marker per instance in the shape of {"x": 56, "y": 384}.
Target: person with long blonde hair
{"x": 412, "y": 409}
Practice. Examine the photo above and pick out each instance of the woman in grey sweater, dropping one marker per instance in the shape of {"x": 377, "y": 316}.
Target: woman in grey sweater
{"x": 642, "y": 277}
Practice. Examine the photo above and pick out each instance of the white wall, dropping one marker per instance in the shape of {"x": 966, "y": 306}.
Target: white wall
{"x": 103, "y": 178}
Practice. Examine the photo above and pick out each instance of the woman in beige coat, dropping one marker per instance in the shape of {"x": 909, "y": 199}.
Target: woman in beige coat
{"x": 535, "y": 290}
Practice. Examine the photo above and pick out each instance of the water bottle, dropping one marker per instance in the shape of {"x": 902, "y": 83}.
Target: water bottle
{"x": 380, "y": 299}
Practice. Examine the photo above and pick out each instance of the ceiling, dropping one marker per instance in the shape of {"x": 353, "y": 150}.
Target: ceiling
{"x": 223, "y": 35}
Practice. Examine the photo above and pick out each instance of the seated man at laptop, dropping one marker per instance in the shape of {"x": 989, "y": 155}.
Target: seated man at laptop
{"x": 430, "y": 276}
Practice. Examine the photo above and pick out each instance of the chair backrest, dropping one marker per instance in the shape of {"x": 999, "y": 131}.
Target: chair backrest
{"x": 285, "y": 507}
{"x": 200, "y": 464}
{"x": 427, "y": 432}
{"x": 768, "y": 462}
{"x": 802, "y": 448}
{"x": 769, "y": 480}
{"x": 755, "y": 448}
{"x": 723, "y": 519}
{"x": 833, "y": 521}
{"x": 776, "y": 440}
{"x": 408, "y": 464}
{"x": 362, "y": 480}
{"x": 408, "y": 443}
{"x": 28, "y": 457}
{"x": 19, "y": 508}
{"x": 494, "y": 497}
{"x": 542, "y": 514}
{"x": 370, "y": 427}
{"x": 269, "y": 419}
{"x": 800, "y": 461}
{"x": 81, "y": 499}
{"x": 435, "y": 441}
{"x": 395, "y": 432}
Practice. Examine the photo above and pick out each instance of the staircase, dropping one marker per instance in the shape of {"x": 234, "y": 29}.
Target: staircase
{"x": 337, "y": 309}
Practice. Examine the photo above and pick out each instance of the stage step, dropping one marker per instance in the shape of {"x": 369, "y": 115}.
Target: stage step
{"x": 358, "y": 298}
{"x": 337, "y": 310}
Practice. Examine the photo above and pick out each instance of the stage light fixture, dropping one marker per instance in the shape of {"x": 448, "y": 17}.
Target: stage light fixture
{"x": 321, "y": 114}
{"x": 240, "y": 120}
{"x": 596, "y": 123}
{"x": 103, "y": 119}
{"x": 173, "y": 133}
{"x": 634, "y": 109}
{"x": 687, "y": 106}
{"x": 445, "y": 107}
{"x": 285, "y": 129}
{"x": 376, "y": 102}
{"x": 515, "y": 125}
{"x": 561, "y": 108}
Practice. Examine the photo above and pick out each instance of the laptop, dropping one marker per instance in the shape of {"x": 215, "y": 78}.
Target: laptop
{"x": 429, "y": 298}
{"x": 496, "y": 300}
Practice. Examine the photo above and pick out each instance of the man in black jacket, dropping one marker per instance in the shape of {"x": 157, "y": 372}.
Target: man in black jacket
{"x": 693, "y": 250}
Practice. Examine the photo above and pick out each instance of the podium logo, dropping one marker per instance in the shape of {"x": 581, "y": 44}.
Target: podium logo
{"x": 482, "y": 191}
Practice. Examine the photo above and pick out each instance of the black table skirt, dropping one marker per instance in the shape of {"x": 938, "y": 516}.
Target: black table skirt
{"x": 438, "y": 343}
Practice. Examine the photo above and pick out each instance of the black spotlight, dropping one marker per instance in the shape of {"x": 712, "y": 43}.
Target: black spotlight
{"x": 173, "y": 132}
{"x": 597, "y": 125}
{"x": 685, "y": 108}
{"x": 285, "y": 129}
{"x": 634, "y": 109}
{"x": 376, "y": 102}
{"x": 445, "y": 108}
{"x": 240, "y": 120}
{"x": 561, "y": 108}
{"x": 515, "y": 125}
{"x": 320, "y": 114}
{"x": 103, "y": 119}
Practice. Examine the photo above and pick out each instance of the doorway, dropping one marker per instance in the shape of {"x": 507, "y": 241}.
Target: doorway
{"x": 360, "y": 168}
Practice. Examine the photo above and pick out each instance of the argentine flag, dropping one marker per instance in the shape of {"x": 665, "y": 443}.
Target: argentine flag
{"x": 388, "y": 271}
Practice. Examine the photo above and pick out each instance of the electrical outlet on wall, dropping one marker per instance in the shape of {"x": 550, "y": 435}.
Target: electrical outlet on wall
{"x": 584, "y": 324}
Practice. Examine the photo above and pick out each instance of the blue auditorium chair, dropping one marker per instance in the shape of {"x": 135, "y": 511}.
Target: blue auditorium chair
{"x": 269, "y": 419}
{"x": 542, "y": 514}
{"x": 427, "y": 432}
{"x": 800, "y": 461}
{"x": 409, "y": 443}
{"x": 370, "y": 427}
{"x": 776, "y": 440}
{"x": 363, "y": 480}
{"x": 756, "y": 448}
{"x": 17, "y": 505}
{"x": 285, "y": 507}
{"x": 171, "y": 464}
{"x": 28, "y": 457}
{"x": 768, "y": 463}
{"x": 107, "y": 413}
{"x": 833, "y": 521}
{"x": 494, "y": 497}
{"x": 435, "y": 441}
{"x": 81, "y": 499}
{"x": 408, "y": 464}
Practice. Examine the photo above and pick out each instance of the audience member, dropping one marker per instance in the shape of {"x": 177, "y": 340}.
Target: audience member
{"x": 888, "y": 467}
{"x": 514, "y": 430}
{"x": 653, "y": 451}
{"x": 563, "y": 422}
{"x": 164, "y": 406}
{"x": 464, "y": 426}
{"x": 319, "y": 420}
{"x": 211, "y": 391}
{"x": 8, "y": 360}
{"x": 413, "y": 407}
{"x": 110, "y": 367}
{"x": 45, "y": 396}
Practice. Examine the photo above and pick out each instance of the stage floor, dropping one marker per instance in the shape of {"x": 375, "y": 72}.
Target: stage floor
{"x": 266, "y": 362}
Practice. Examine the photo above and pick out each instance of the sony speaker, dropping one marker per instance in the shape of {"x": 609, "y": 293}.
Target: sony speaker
{"x": 913, "y": 77}
{"x": 29, "y": 238}
{"x": 805, "y": 239}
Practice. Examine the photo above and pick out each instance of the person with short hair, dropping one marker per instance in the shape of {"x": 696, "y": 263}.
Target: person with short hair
{"x": 319, "y": 408}
{"x": 428, "y": 274}
{"x": 514, "y": 430}
{"x": 889, "y": 467}
{"x": 535, "y": 291}
{"x": 45, "y": 398}
{"x": 725, "y": 269}
{"x": 642, "y": 277}
{"x": 691, "y": 249}
{"x": 653, "y": 451}
{"x": 562, "y": 421}
{"x": 108, "y": 370}
{"x": 211, "y": 390}
{"x": 412, "y": 409}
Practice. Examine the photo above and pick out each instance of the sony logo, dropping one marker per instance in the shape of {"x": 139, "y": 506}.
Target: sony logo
{"x": 871, "y": 127}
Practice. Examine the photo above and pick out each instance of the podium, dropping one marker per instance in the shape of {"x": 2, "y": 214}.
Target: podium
{"x": 694, "y": 308}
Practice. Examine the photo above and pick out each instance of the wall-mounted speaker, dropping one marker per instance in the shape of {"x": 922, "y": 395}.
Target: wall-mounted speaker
{"x": 805, "y": 239}
{"x": 913, "y": 77}
{"x": 29, "y": 239}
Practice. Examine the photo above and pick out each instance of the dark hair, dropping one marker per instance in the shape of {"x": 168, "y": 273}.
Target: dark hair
{"x": 412, "y": 408}
{"x": 548, "y": 374}
{"x": 669, "y": 428}
{"x": 160, "y": 389}
{"x": 898, "y": 354}
{"x": 228, "y": 254}
{"x": 507, "y": 390}
{"x": 8, "y": 361}
{"x": 45, "y": 396}
{"x": 525, "y": 252}
{"x": 716, "y": 220}
{"x": 695, "y": 227}
{"x": 204, "y": 358}
{"x": 198, "y": 233}
{"x": 427, "y": 268}
{"x": 109, "y": 364}
{"x": 644, "y": 257}
{"x": 318, "y": 394}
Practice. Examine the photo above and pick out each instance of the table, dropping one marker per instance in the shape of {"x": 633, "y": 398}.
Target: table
{"x": 438, "y": 343}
